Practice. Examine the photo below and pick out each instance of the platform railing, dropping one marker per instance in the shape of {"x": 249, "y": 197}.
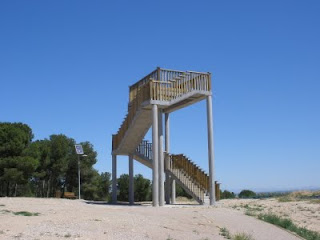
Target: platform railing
{"x": 184, "y": 83}
{"x": 134, "y": 89}
{"x": 168, "y": 84}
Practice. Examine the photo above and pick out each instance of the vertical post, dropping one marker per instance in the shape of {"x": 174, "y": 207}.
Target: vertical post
{"x": 161, "y": 160}
{"x": 158, "y": 90}
{"x": 79, "y": 185}
{"x": 114, "y": 178}
{"x": 173, "y": 191}
{"x": 167, "y": 150}
{"x": 155, "y": 172}
{"x": 217, "y": 188}
{"x": 131, "y": 181}
{"x": 210, "y": 150}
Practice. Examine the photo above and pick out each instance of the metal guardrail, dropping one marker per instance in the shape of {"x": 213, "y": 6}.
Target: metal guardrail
{"x": 145, "y": 149}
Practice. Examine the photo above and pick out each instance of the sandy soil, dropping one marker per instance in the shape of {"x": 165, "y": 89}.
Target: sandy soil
{"x": 303, "y": 213}
{"x": 78, "y": 219}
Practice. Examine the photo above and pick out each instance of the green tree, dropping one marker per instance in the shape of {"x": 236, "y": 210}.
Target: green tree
{"x": 40, "y": 150}
{"x": 180, "y": 192}
{"x": 15, "y": 167}
{"x": 104, "y": 186}
{"x": 42, "y": 167}
{"x": 60, "y": 153}
{"x": 98, "y": 187}
{"x": 14, "y": 138}
{"x": 142, "y": 188}
{"x": 226, "y": 194}
{"x": 123, "y": 187}
{"x": 247, "y": 194}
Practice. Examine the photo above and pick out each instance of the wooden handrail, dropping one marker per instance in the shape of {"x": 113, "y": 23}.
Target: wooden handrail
{"x": 143, "y": 94}
{"x": 193, "y": 171}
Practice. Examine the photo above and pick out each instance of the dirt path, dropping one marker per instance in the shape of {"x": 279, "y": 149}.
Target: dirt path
{"x": 73, "y": 219}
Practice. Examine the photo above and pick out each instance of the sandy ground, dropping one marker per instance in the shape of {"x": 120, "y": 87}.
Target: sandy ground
{"x": 78, "y": 219}
{"x": 303, "y": 213}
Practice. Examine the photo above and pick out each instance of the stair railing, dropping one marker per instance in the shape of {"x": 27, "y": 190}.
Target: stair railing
{"x": 192, "y": 170}
{"x": 145, "y": 149}
{"x": 143, "y": 94}
{"x": 188, "y": 173}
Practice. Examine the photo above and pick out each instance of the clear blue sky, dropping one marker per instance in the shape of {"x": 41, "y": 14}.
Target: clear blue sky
{"x": 65, "y": 67}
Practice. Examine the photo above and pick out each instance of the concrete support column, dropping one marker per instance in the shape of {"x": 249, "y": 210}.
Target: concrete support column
{"x": 167, "y": 150}
{"x": 161, "y": 160}
{"x": 210, "y": 150}
{"x": 155, "y": 146}
{"x": 114, "y": 178}
{"x": 131, "y": 181}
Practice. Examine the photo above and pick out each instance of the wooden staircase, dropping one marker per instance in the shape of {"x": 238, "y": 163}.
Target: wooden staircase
{"x": 169, "y": 90}
{"x": 186, "y": 173}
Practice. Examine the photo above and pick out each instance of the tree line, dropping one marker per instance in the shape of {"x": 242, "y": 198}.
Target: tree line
{"x": 42, "y": 168}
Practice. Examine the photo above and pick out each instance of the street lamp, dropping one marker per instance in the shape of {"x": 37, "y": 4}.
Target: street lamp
{"x": 83, "y": 155}
{"x": 79, "y": 151}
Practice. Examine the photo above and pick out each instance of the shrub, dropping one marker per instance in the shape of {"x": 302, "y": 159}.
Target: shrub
{"x": 142, "y": 188}
{"x": 247, "y": 194}
{"x": 25, "y": 213}
{"x": 242, "y": 236}
{"x": 226, "y": 194}
{"x": 180, "y": 192}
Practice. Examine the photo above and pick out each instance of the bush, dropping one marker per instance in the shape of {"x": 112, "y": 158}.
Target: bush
{"x": 123, "y": 186}
{"x": 226, "y": 194}
{"x": 142, "y": 188}
{"x": 247, "y": 194}
{"x": 242, "y": 236}
{"x": 180, "y": 192}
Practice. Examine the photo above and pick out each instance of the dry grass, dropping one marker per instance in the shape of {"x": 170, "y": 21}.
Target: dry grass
{"x": 300, "y": 195}
{"x": 287, "y": 223}
{"x": 302, "y": 207}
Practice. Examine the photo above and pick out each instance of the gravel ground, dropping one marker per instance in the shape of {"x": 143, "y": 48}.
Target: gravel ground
{"x": 78, "y": 219}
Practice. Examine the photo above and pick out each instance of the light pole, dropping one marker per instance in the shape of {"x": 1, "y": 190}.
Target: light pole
{"x": 83, "y": 155}
{"x": 79, "y": 151}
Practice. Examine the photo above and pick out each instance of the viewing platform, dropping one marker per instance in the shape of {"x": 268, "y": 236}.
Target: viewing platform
{"x": 170, "y": 90}
{"x": 158, "y": 94}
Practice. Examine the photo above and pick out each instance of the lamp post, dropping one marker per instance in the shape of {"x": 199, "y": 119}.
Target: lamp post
{"x": 79, "y": 184}
{"x": 79, "y": 151}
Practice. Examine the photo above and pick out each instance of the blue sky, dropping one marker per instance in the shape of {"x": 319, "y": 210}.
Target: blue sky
{"x": 65, "y": 67}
